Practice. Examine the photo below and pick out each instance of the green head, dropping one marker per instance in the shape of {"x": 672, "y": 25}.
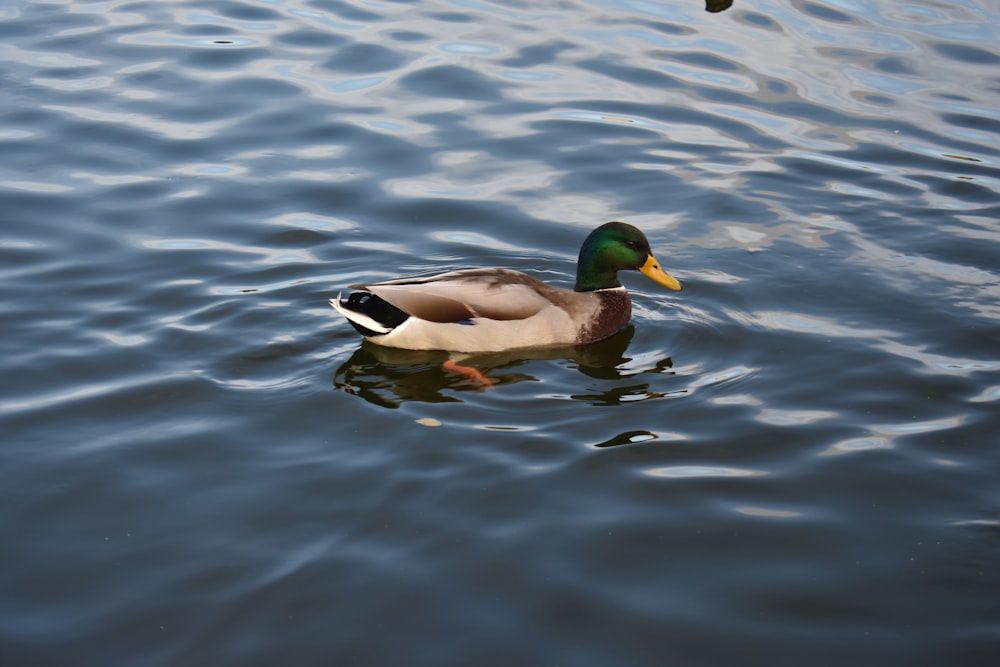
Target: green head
{"x": 614, "y": 247}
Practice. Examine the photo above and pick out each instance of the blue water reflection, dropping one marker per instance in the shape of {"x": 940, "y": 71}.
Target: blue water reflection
{"x": 792, "y": 458}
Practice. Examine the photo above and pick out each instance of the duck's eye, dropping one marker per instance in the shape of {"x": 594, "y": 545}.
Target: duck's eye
{"x": 631, "y": 244}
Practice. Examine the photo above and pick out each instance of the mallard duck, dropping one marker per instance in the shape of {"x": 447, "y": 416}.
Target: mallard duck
{"x": 491, "y": 310}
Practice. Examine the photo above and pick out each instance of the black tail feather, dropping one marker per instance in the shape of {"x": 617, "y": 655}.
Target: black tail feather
{"x": 376, "y": 308}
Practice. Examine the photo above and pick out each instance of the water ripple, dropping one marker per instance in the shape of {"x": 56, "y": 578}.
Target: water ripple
{"x": 194, "y": 439}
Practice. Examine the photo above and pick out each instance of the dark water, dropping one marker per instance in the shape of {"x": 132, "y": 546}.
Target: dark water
{"x": 793, "y": 461}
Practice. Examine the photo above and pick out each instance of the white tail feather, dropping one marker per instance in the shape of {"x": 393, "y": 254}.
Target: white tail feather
{"x": 359, "y": 318}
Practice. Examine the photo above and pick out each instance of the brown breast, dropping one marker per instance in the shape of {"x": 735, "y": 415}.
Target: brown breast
{"x": 612, "y": 316}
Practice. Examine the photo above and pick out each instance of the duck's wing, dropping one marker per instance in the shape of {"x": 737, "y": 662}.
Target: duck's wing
{"x": 496, "y": 294}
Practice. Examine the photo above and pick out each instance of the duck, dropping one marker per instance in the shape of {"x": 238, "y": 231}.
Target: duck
{"x": 496, "y": 309}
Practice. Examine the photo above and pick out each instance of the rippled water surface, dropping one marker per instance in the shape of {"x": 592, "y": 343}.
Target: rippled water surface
{"x": 793, "y": 461}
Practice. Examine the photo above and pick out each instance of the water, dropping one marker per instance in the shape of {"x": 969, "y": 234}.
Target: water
{"x": 793, "y": 461}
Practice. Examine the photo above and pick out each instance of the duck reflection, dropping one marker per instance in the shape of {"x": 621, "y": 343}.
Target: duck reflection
{"x": 389, "y": 377}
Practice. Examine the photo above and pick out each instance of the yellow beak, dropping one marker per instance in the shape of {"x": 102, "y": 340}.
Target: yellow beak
{"x": 652, "y": 269}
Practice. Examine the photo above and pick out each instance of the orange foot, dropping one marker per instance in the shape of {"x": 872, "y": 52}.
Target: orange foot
{"x": 469, "y": 372}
